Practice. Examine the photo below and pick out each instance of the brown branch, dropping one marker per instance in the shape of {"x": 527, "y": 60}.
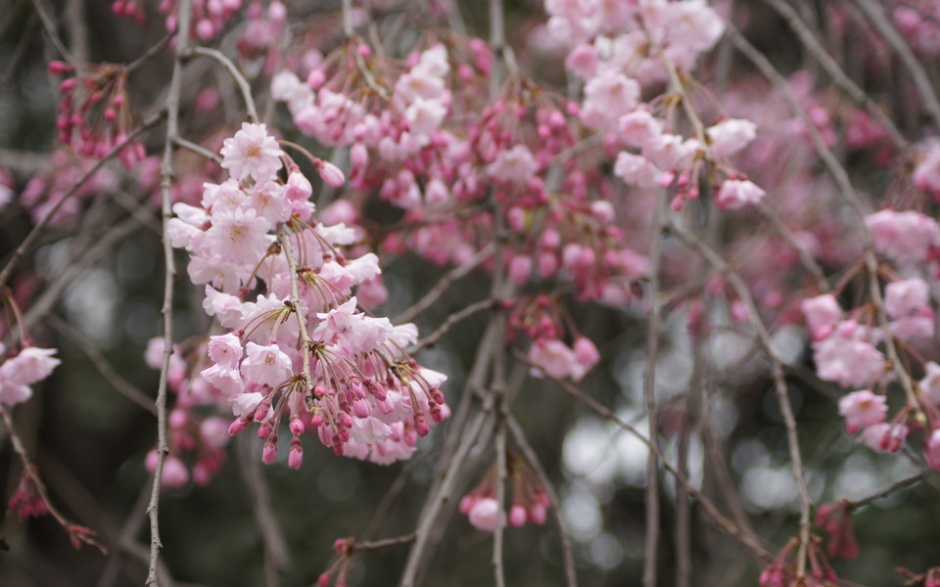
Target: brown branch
{"x": 276, "y": 553}
{"x": 902, "y": 484}
{"x": 77, "y": 534}
{"x": 443, "y": 283}
{"x": 780, "y": 387}
{"x": 184, "y": 12}
{"x": 708, "y": 506}
{"x": 518, "y": 435}
{"x": 451, "y": 321}
{"x": 198, "y": 149}
{"x": 849, "y": 194}
{"x": 51, "y": 31}
{"x": 805, "y": 257}
{"x": 123, "y": 386}
{"x": 894, "y": 39}
{"x": 41, "y": 225}
{"x": 651, "y": 544}
{"x": 839, "y": 77}
{"x": 237, "y": 76}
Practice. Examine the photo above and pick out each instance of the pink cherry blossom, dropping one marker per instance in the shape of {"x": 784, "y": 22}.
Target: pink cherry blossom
{"x": 729, "y": 137}
{"x": 822, "y": 313}
{"x": 252, "y": 152}
{"x": 907, "y": 297}
{"x": 847, "y": 359}
{"x": 736, "y": 193}
{"x": 513, "y": 166}
{"x": 862, "y": 409}
{"x": 485, "y": 514}
{"x": 903, "y": 236}
{"x": 265, "y": 365}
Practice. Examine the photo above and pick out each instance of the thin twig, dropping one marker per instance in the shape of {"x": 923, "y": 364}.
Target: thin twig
{"x": 198, "y": 149}
{"x": 807, "y": 259}
{"x": 708, "y": 506}
{"x": 306, "y": 342}
{"x": 518, "y": 435}
{"x": 150, "y": 53}
{"x": 184, "y": 12}
{"x": 350, "y": 33}
{"x": 899, "y": 45}
{"x": 383, "y": 543}
{"x": 783, "y": 394}
{"x": 444, "y": 494}
{"x": 839, "y": 77}
{"x": 41, "y": 225}
{"x": 651, "y": 544}
{"x": 451, "y": 321}
{"x": 50, "y": 27}
{"x": 276, "y": 554}
{"x": 443, "y": 283}
{"x": 126, "y": 388}
{"x": 237, "y": 76}
{"x": 75, "y": 532}
{"x": 849, "y": 194}
{"x": 902, "y": 484}
{"x": 76, "y": 268}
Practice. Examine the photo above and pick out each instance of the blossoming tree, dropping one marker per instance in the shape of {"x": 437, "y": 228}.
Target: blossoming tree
{"x": 643, "y": 289}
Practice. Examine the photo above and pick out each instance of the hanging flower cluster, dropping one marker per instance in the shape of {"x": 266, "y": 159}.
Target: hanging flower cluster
{"x": 298, "y": 349}
{"x": 845, "y": 345}
{"x": 529, "y": 500}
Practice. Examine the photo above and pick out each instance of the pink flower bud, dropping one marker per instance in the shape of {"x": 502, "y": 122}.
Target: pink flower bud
{"x": 517, "y": 516}
{"x": 269, "y": 452}
{"x": 538, "y": 514}
{"x": 296, "y": 456}
{"x": 315, "y": 78}
{"x": 485, "y": 514}
{"x": 466, "y": 503}
{"x": 174, "y": 472}
{"x": 177, "y": 418}
{"x": 331, "y": 174}
{"x": 237, "y": 426}
{"x": 59, "y": 67}
{"x": 422, "y": 427}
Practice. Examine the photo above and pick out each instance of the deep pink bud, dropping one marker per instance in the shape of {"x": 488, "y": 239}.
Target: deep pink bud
{"x": 331, "y": 174}
{"x": 421, "y": 424}
{"x": 269, "y": 452}
{"x": 537, "y": 514}
{"x": 59, "y": 67}
{"x": 296, "y": 455}
{"x": 237, "y": 426}
{"x": 517, "y": 516}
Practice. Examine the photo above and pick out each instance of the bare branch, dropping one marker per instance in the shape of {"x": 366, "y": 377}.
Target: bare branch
{"x": 783, "y": 394}
{"x": 127, "y": 389}
{"x": 518, "y": 435}
{"x": 443, "y": 283}
{"x": 41, "y": 225}
{"x": 891, "y": 36}
{"x": 184, "y": 12}
{"x": 839, "y": 77}
{"x": 237, "y": 76}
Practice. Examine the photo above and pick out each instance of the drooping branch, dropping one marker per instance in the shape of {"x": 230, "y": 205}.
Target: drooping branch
{"x": 184, "y": 13}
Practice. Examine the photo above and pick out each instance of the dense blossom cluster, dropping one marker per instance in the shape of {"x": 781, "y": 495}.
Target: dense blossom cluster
{"x": 299, "y": 350}
{"x": 845, "y": 345}
{"x": 555, "y": 197}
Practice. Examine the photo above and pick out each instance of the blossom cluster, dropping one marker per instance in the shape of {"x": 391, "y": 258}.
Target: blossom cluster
{"x": 529, "y": 500}
{"x": 20, "y": 370}
{"x": 845, "y": 344}
{"x": 299, "y": 350}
